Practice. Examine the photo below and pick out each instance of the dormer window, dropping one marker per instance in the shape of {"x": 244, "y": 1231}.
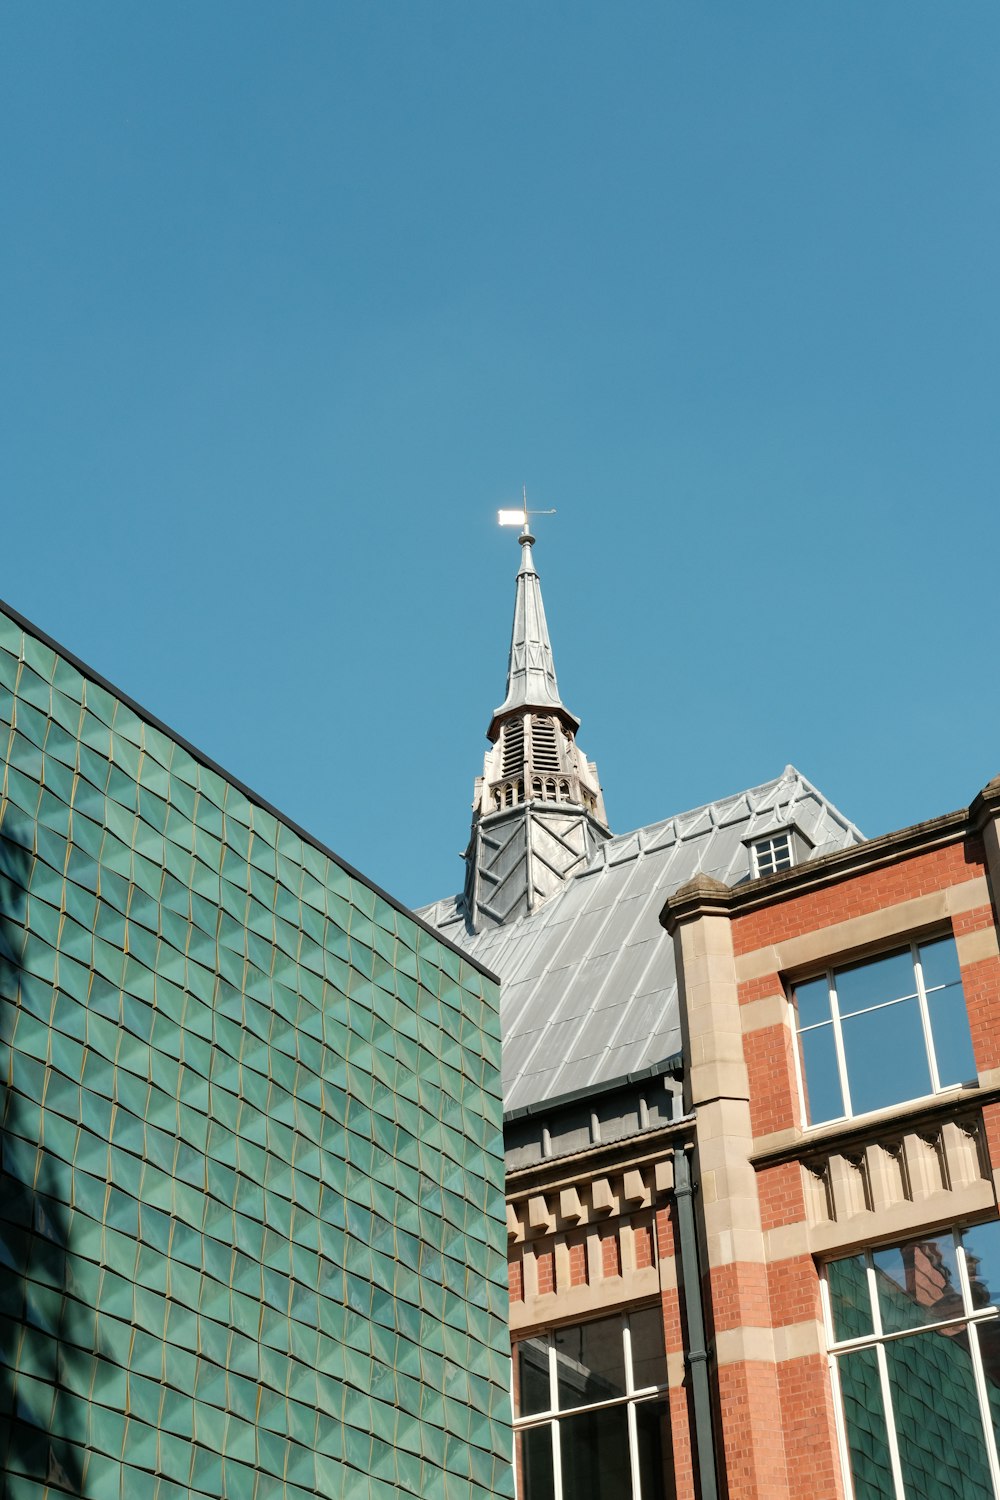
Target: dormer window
{"x": 772, "y": 853}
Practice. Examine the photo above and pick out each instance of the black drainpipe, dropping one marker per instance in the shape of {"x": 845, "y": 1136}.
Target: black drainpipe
{"x": 697, "y": 1352}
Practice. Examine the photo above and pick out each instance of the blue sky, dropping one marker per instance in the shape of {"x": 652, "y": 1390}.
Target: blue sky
{"x": 293, "y": 296}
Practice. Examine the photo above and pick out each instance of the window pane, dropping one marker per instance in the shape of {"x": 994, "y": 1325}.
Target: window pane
{"x": 939, "y": 963}
{"x": 535, "y": 1476}
{"x": 982, "y": 1256}
{"x": 820, "y": 1078}
{"x": 886, "y": 1057}
{"x": 875, "y": 982}
{"x": 653, "y": 1426}
{"x": 595, "y": 1458}
{"x": 950, "y": 1030}
{"x": 864, "y": 1419}
{"x": 988, "y": 1335}
{"x": 812, "y": 1001}
{"x": 941, "y": 1446}
{"x": 531, "y": 1390}
{"x": 590, "y": 1362}
{"x": 649, "y": 1365}
{"x": 850, "y": 1303}
{"x": 918, "y": 1283}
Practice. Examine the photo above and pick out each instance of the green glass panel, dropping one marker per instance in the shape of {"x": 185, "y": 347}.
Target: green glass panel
{"x": 850, "y": 1301}
{"x": 864, "y": 1417}
{"x": 942, "y": 1448}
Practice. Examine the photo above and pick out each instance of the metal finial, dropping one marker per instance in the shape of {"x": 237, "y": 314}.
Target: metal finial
{"x": 522, "y": 516}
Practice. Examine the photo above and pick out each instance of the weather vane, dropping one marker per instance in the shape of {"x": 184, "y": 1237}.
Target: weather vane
{"x": 520, "y": 517}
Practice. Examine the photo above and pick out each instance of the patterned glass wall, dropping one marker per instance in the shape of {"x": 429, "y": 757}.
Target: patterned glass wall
{"x": 252, "y": 1186}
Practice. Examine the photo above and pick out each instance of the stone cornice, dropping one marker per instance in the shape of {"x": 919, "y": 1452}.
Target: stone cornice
{"x": 563, "y": 1171}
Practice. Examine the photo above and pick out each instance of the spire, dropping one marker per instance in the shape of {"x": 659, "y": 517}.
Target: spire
{"x": 538, "y": 810}
{"x": 531, "y": 672}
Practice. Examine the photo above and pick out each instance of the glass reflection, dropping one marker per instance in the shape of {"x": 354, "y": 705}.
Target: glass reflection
{"x": 594, "y": 1452}
{"x": 653, "y": 1431}
{"x": 864, "y": 1417}
{"x": 886, "y": 1057}
{"x": 812, "y": 1001}
{"x": 648, "y": 1358}
{"x": 982, "y": 1262}
{"x": 531, "y": 1387}
{"x": 918, "y": 1283}
{"x": 950, "y": 1030}
{"x": 535, "y": 1473}
{"x": 939, "y": 1429}
{"x": 820, "y": 1077}
{"x": 590, "y": 1362}
{"x": 939, "y": 963}
{"x": 875, "y": 982}
{"x": 850, "y": 1303}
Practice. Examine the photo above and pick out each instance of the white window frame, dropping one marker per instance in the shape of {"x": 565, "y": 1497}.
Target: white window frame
{"x": 878, "y": 1339}
{"x": 912, "y": 945}
{"x": 767, "y": 847}
{"x": 554, "y": 1417}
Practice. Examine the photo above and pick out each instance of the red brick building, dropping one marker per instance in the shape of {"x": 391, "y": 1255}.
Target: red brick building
{"x": 841, "y": 1028}
{"x": 752, "y": 1126}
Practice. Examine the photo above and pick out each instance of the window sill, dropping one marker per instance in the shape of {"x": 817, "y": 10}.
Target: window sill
{"x": 798, "y": 1144}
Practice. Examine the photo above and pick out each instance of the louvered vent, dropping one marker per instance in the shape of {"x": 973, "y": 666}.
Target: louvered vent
{"x": 544, "y": 755}
{"x": 513, "y": 747}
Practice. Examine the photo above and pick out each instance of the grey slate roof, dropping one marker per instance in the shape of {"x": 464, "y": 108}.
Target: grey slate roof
{"x": 589, "y": 992}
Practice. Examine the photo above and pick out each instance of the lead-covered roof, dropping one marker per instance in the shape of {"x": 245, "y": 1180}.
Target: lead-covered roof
{"x": 589, "y": 990}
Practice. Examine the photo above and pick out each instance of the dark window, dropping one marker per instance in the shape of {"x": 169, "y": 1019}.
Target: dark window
{"x": 590, "y": 1411}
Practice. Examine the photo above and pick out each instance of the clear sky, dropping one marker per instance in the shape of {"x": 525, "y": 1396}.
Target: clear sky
{"x": 293, "y": 296}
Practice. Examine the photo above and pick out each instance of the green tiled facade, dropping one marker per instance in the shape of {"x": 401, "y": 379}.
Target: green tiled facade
{"x": 251, "y": 1203}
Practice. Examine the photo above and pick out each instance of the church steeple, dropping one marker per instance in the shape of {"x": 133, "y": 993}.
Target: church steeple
{"x": 538, "y": 811}
{"x": 531, "y": 671}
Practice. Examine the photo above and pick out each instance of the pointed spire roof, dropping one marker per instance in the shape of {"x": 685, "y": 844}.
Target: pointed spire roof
{"x": 531, "y": 672}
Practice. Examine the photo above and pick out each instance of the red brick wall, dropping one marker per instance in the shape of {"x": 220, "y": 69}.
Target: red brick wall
{"x": 642, "y": 1237}
{"x": 806, "y": 1397}
{"x": 578, "y": 1264}
{"x": 857, "y": 894}
{"x": 774, "y": 1103}
{"x": 991, "y": 1120}
{"x": 515, "y": 1278}
{"x": 779, "y": 1193}
{"x": 545, "y": 1264}
{"x": 739, "y": 1295}
{"x": 981, "y": 985}
{"x": 752, "y": 1431}
{"x": 611, "y": 1254}
{"x": 793, "y": 1291}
